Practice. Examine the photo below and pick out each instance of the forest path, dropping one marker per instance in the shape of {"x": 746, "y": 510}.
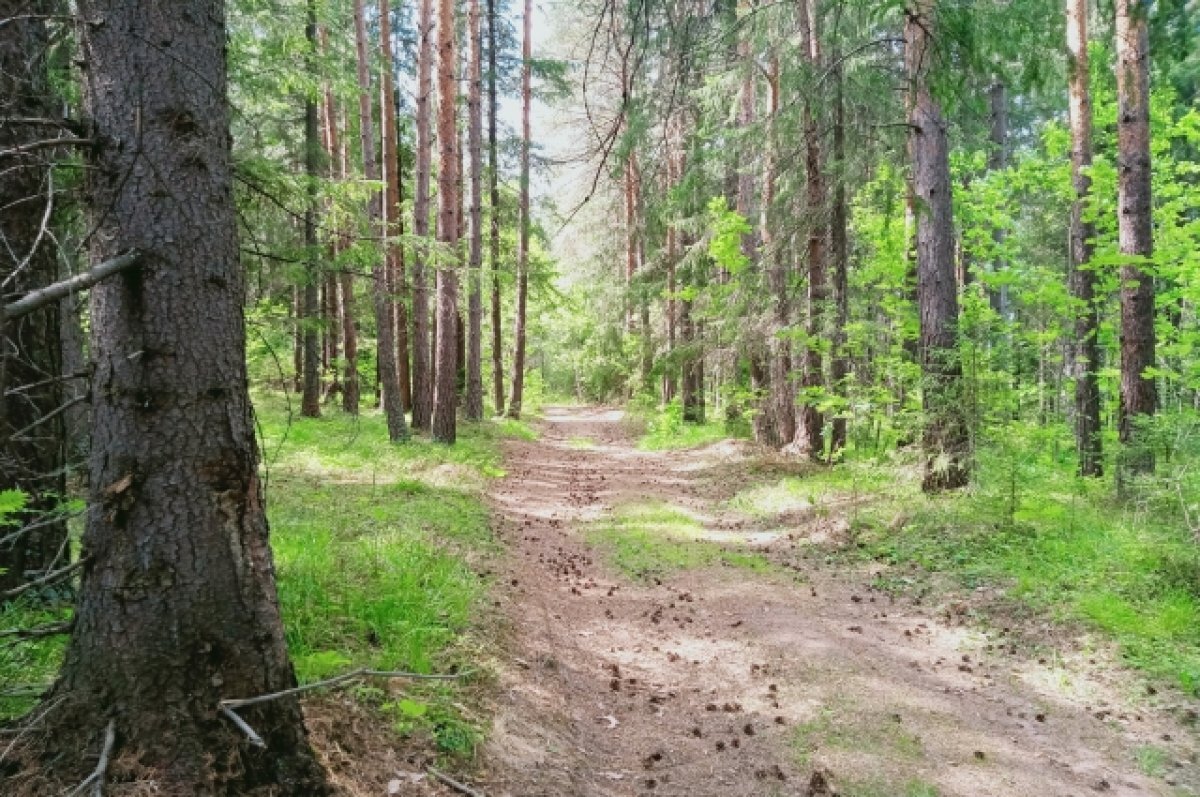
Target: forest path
{"x": 725, "y": 680}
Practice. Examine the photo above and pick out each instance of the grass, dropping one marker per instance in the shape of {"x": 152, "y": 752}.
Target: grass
{"x": 1057, "y": 545}
{"x": 374, "y": 548}
{"x": 665, "y": 430}
{"x": 860, "y": 733}
{"x": 650, "y": 539}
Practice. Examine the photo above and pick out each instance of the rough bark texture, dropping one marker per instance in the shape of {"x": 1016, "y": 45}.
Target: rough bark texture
{"x": 445, "y": 405}
{"x": 1083, "y": 280}
{"x": 392, "y": 218}
{"x": 997, "y": 159}
{"x": 946, "y": 436}
{"x": 422, "y": 375}
{"x": 1139, "y": 395}
{"x": 385, "y": 360}
{"x": 333, "y": 300}
{"x": 31, "y": 460}
{"x": 473, "y": 405}
{"x": 310, "y": 403}
{"x": 518, "y": 383}
{"x": 812, "y": 424}
{"x": 177, "y": 608}
{"x": 839, "y": 365}
{"x": 494, "y": 225}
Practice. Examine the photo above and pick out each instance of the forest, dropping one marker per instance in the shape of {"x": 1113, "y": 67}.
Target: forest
{"x": 603, "y": 398}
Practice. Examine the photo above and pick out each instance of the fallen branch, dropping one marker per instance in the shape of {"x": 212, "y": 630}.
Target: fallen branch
{"x": 454, "y": 784}
{"x": 96, "y": 779}
{"x": 49, "y": 578}
{"x": 254, "y": 738}
{"x": 51, "y": 629}
{"x": 335, "y": 681}
{"x": 48, "y": 143}
{"x": 35, "y": 300}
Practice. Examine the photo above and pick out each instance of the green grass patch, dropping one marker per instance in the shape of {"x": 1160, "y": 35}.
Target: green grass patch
{"x": 664, "y": 429}
{"x": 651, "y": 539}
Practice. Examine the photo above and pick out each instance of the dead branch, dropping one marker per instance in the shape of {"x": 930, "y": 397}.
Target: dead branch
{"x": 38, "y": 299}
{"x": 46, "y": 143}
{"x": 454, "y": 784}
{"x": 96, "y": 779}
{"x": 51, "y": 629}
{"x": 335, "y": 681}
{"x": 245, "y": 728}
{"x": 49, "y": 578}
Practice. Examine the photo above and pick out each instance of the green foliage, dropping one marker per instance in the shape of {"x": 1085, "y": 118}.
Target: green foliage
{"x": 665, "y": 429}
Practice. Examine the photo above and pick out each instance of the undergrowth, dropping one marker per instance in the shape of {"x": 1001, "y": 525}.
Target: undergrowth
{"x": 665, "y": 429}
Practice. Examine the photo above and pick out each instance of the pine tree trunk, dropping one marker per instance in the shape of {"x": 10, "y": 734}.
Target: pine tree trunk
{"x": 998, "y": 159}
{"x": 177, "y": 607}
{"x": 1139, "y": 395}
{"x": 385, "y": 360}
{"x": 392, "y": 217}
{"x": 474, "y": 391}
{"x": 946, "y": 438}
{"x": 310, "y": 403}
{"x": 518, "y": 383}
{"x": 813, "y": 377}
{"x": 494, "y": 225}
{"x": 445, "y": 404}
{"x": 31, "y": 459}
{"x": 422, "y": 375}
{"x": 839, "y": 365}
{"x": 1083, "y": 232}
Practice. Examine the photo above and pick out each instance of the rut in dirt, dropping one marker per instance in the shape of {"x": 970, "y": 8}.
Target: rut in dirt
{"x": 781, "y": 679}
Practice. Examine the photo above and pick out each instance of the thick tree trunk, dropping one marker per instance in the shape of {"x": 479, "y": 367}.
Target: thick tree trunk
{"x": 31, "y": 459}
{"x": 518, "y": 384}
{"x": 385, "y": 360}
{"x": 839, "y": 369}
{"x": 494, "y": 225}
{"x": 310, "y": 403}
{"x": 946, "y": 436}
{"x": 445, "y": 404}
{"x": 812, "y": 424}
{"x": 177, "y": 609}
{"x": 422, "y": 373}
{"x": 1139, "y": 395}
{"x": 474, "y": 391}
{"x": 393, "y": 219}
{"x": 1082, "y": 279}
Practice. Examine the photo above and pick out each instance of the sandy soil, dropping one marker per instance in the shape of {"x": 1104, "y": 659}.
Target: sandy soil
{"x": 796, "y": 680}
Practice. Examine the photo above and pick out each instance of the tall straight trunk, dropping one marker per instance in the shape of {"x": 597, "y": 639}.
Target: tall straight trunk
{"x": 813, "y": 377}
{"x": 177, "y": 608}
{"x": 474, "y": 392}
{"x": 445, "y": 404}
{"x": 1083, "y": 232}
{"x": 671, "y": 305}
{"x": 351, "y": 387}
{"x": 310, "y": 402}
{"x": 776, "y": 421}
{"x": 393, "y": 219}
{"x": 297, "y": 338}
{"x": 422, "y": 374}
{"x": 31, "y": 460}
{"x": 494, "y": 226}
{"x": 333, "y": 300}
{"x": 997, "y": 160}
{"x": 518, "y": 383}
{"x": 385, "y": 360}
{"x": 946, "y": 437}
{"x": 839, "y": 364}
{"x": 630, "y": 190}
{"x": 333, "y": 325}
{"x": 1139, "y": 395}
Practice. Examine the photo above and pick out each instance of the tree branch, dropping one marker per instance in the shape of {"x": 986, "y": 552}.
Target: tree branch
{"x": 38, "y": 299}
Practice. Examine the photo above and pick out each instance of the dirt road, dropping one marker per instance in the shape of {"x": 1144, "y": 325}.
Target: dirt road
{"x": 727, "y": 680}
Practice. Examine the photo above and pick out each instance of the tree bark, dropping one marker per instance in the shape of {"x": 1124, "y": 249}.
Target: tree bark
{"x": 812, "y": 424}
{"x": 946, "y": 437}
{"x": 1139, "y": 395}
{"x": 1083, "y": 232}
{"x": 422, "y": 376}
{"x": 494, "y": 226}
{"x": 518, "y": 383}
{"x": 310, "y": 403}
{"x": 474, "y": 392}
{"x": 177, "y": 606}
{"x": 30, "y": 347}
{"x": 392, "y": 216}
{"x": 445, "y": 405}
{"x": 385, "y": 360}
{"x": 839, "y": 365}
{"x": 997, "y": 159}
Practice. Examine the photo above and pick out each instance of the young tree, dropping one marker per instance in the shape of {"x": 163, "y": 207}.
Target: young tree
{"x": 445, "y": 405}
{"x": 494, "y": 226}
{"x": 393, "y": 219}
{"x": 474, "y": 391}
{"x": 1082, "y": 278}
{"x": 177, "y": 607}
{"x": 310, "y": 404}
{"x": 518, "y": 383}
{"x": 1139, "y": 395}
{"x": 422, "y": 376}
{"x": 839, "y": 365}
{"x": 381, "y": 295}
{"x": 946, "y": 435}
